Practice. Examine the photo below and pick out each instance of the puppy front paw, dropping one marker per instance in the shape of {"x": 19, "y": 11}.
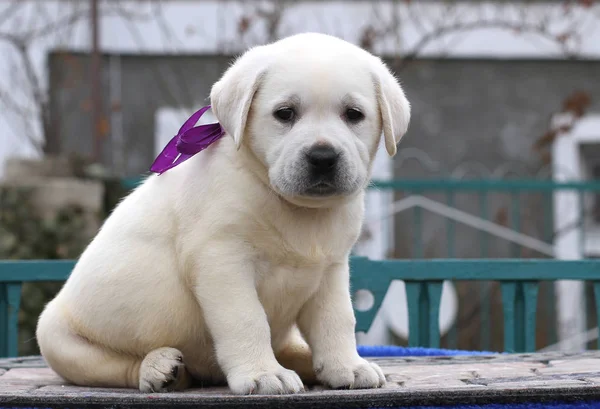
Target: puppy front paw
{"x": 357, "y": 374}
{"x": 163, "y": 370}
{"x": 278, "y": 381}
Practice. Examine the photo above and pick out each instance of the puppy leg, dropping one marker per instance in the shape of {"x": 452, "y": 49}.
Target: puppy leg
{"x": 83, "y": 363}
{"x": 327, "y": 321}
{"x": 238, "y": 325}
{"x": 80, "y": 362}
{"x": 295, "y": 354}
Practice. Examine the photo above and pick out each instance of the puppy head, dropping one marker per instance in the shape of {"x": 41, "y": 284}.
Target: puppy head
{"x": 312, "y": 109}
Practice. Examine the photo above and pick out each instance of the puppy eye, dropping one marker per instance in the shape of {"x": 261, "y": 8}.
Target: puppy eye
{"x": 285, "y": 114}
{"x": 354, "y": 115}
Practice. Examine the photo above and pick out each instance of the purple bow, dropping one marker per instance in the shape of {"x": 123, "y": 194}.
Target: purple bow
{"x": 189, "y": 141}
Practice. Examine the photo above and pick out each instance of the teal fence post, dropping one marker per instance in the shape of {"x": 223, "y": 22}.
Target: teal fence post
{"x": 597, "y": 302}
{"x": 434, "y": 295}
{"x": 519, "y": 302}
{"x": 530, "y": 293}
{"x": 582, "y": 235}
{"x": 413, "y": 298}
{"x": 3, "y": 321}
{"x": 550, "y": 299}
{"x": 484, "y": 298}
{"x": 511, "y": 307}
{"x": 423, "y": 299}
{"x": 13, "y": 291}
{"x": 451, "y": 253}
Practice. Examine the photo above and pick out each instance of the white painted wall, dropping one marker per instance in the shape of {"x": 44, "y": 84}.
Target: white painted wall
{"x": 568, "y": 165}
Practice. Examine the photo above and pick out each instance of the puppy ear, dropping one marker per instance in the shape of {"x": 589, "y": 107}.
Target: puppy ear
{"x": 393, "y": 105}
{"x": 231, "y": 97}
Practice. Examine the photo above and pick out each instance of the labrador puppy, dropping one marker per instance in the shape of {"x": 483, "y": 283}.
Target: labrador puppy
{"x": 233, "y": 266}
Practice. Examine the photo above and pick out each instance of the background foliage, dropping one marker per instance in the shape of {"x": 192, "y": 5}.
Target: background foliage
{"x": 24, "y": 235}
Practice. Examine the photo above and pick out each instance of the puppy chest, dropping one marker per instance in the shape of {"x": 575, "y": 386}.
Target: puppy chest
{"x": 301, "y": 238}
{"x": 296, "y": 248}
{"x": 283, "y": 290}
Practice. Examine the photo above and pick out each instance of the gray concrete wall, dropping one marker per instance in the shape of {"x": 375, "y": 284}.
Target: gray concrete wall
{"x": 147, "y": 84}
{"x": 486, "y": 111}
{"x": 490, "y": 112}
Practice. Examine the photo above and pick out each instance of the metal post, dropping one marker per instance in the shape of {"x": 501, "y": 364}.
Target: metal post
{"x": 95, "y": 81}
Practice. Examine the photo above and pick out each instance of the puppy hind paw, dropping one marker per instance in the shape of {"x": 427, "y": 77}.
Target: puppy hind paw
{"x": 163, "y": 370}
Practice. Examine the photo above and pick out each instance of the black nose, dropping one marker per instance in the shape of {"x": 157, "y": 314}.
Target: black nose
{"x": 322, "y": 158}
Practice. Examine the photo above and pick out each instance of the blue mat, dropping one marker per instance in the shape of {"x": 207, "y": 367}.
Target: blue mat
{"x": 388, "y": 350}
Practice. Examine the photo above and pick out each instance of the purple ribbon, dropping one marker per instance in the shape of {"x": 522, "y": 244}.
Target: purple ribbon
{"x": 189, "y": 141}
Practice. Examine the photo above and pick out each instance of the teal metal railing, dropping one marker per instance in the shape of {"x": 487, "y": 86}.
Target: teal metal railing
{"x": 13, "y": 274}
{"x": 475, "y": 203}
{"x": 519, "y": 281}
{"x": 480, "y": 191}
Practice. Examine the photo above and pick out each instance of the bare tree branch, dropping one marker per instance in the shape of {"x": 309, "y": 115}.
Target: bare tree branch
{"x": 40, "y": 25}
{"x": 9, "y": 11}
{"x": 387, "y": 25}
{"x": 13, "y": 104}
{"x": 37, "y": 91}
{"x": 444, "y": 30}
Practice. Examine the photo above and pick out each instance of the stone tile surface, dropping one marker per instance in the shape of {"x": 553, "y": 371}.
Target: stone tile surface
{"x": 29, "y": 382}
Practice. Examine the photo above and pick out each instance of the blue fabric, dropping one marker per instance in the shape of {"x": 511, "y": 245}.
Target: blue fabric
{"x": 389, "y": 350}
